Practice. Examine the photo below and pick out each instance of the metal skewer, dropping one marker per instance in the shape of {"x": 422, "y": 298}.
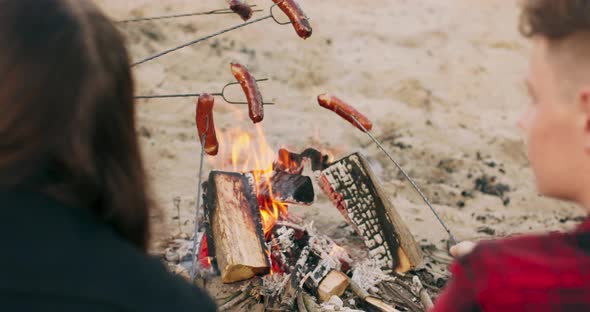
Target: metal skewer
{"x": 414, "y": 185}
{"x": 213, "y": 12}
{"x": 221, "y": 94}
{"x": 196, "y": 245}
{"x": 155, "y": 56}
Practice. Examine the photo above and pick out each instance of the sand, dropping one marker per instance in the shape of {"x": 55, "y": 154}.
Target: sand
{"x": 441, "y": 80}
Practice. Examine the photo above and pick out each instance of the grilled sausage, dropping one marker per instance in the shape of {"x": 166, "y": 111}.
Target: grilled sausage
{"x": 250, "y": 87}
{"x": 204, "y": 121}
{"x": 297, "y": 17}
{"x": 345, "y": 111}
{"x": 241, "y": 8}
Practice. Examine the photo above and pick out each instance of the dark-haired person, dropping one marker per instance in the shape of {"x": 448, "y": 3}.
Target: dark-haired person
{"x": 74, "y": 205}
{"x": 547, "y": 272}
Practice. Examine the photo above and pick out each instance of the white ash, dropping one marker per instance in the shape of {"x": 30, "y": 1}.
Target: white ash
{"x": 368, "y": 275}
{"x": 250, "y": 178}
{"x": 336, "y": 300}
{"x": 322, "y": 270}
{"x": 336, "y": 304}
{"x": 321, "y": 245}
{"x": 417, "y": 285}
{"x": 179, "y": 254}
{"x": 285, "y": 238}
{"x": 179, "y": 250}
{"x": 301, "y": 263}
{"x": 274, "y": 284}
{"x": 325, "y": 247}
{"x": 303, "y": 257}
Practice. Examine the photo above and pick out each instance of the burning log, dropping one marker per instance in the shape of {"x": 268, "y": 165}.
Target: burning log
{"x": 294, "y": 163}
{"x": 356, "y": 192}
{"x": 288, "y": 188}
{"x": 234, "y": 231}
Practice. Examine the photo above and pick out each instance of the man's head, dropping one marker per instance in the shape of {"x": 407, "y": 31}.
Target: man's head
{"x": 557, "y": 121}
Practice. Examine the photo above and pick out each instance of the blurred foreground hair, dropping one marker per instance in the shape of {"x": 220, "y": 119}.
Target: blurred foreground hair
{"x": 67, "y": 124}
{"x": 555, "y": 19}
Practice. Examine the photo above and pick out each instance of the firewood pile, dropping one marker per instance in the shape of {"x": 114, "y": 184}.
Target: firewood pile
{"x": 254, "y": 256}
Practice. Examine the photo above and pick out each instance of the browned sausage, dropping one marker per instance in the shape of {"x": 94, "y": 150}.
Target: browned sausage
{"x": 204, "y": 120}
{"x": 241, "y": 8}
{"x": 345, "y": 111}
{"x": 297, "y": 17}
{"x": 250, "y": 87}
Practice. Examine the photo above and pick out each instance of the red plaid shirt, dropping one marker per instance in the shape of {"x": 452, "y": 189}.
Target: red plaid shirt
{"x": 531, "y": 273}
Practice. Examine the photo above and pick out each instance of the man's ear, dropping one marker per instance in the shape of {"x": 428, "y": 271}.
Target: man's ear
{"x": 584, "y": 108}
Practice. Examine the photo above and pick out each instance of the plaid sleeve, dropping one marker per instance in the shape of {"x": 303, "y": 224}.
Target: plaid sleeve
{"x": 459, "y": 294}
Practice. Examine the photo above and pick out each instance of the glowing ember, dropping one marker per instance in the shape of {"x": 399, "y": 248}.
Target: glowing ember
{"x": 203, "y": 255}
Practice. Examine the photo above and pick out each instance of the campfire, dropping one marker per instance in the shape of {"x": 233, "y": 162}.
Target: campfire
{"x": 246, "y": 199}
{"x": 249, "y": 238}
{"x": 245, "y": 238}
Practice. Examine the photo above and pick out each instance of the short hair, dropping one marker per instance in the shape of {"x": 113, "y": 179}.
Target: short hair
{"x": 555, "y": 19}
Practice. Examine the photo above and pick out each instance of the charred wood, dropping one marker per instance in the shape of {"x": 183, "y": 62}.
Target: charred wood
{"x": 356, "y": 192}
{"x": 294, "y": 163}
{"x": 372, "y": 301}
{"x": 287, "y": 188}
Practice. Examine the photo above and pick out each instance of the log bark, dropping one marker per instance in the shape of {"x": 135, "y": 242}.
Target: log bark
{"x": 334, "y": 284}
{"x": 357, "y": 193}
{"x": 234, "y": 230}
{"x": 288, "y": 188}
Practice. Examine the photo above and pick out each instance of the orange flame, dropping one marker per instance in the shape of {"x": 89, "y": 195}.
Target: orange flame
{"x": 240, "y": 151}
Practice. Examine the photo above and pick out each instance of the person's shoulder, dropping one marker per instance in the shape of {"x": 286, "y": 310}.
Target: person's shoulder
{"x": 522, "y": 248}
{"x": 126, "y": 276}
{"x": 145, "y": 283}
{"x": 83, "y": 260}
{"x": 171, "y": 292}
{"x": 498, "y": 266}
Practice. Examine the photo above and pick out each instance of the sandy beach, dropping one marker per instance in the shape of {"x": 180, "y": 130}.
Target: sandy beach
{"x": 442, "y": 82}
